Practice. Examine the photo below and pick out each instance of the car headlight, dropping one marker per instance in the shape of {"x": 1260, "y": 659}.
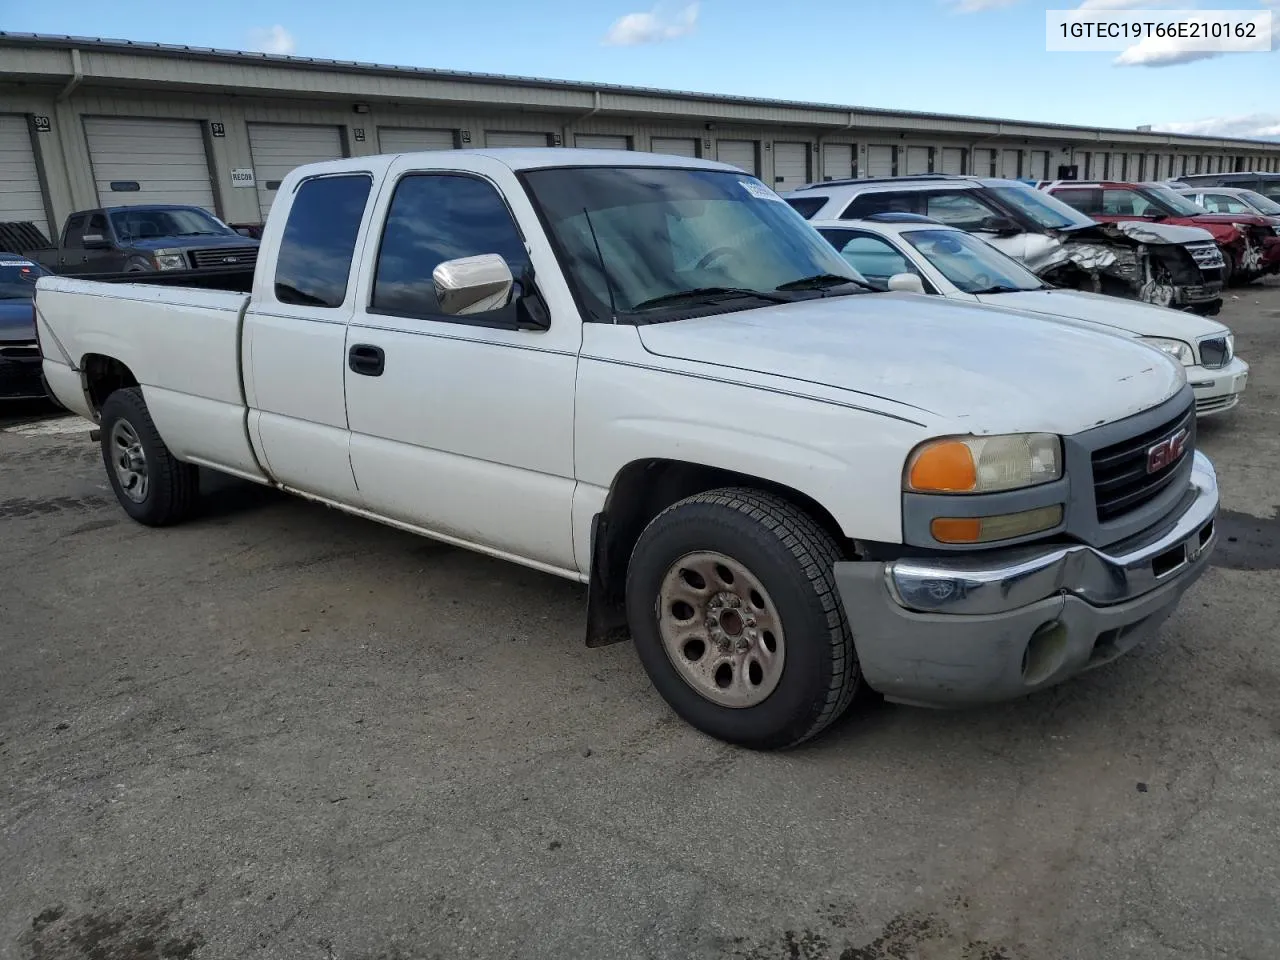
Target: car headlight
{"x": 984, "y": 464}
{"x": 1276, "y": 230}
{"x": 169, "y": 260}
{"x": 1177, "y": 349}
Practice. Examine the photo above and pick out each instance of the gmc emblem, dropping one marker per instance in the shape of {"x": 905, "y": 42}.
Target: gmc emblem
{"x": 1167, "y": 451}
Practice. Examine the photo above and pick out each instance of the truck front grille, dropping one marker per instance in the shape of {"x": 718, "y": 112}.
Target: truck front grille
{"x": 19, "y": 351}
{"x": 227, "y": 257}
{"x": 1122, "y": 478}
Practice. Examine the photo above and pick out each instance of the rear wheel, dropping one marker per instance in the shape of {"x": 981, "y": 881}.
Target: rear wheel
{"x": 152, "y": 485}
{"x": 732, "y": 604}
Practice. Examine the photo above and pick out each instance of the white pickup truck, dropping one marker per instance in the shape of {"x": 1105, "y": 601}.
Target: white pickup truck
{"x": 649, "y": 374}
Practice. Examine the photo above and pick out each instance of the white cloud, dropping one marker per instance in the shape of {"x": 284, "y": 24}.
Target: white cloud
{"x": 652, "y": 27}
{"x": 1166, "y": 51}
{"x": 977, "y": 6}
{"x": 1250, "y": 125}
{"x": 272, "y": 39}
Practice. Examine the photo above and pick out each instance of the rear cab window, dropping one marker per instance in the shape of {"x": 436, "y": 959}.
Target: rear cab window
{"x": 866, "y": 204}
{"x": 1084, "y": 199}
{"x": 319, "y": 242}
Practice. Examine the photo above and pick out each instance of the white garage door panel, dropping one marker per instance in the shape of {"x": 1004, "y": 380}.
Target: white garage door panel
{"x": 879, "y": 161}
{"x": 509, "y": 138}
{"x": 740, "y": 153}
{"x": 408, "y": 140}
{"x": 917, "y": 160}
{"x": 1009, "y": 164}
{"x": 1039, "y": 160}
{"x": 790, "y": 165}
{"x": 674, "y": 146}
{"x": 165, "y": 158}
{"x": 953, "y": 160}
{"x": 595, "y": 141}
{"x": 278, "y": 148}
{"x": 837, "y": 161}
{"x": 20, "y": 197}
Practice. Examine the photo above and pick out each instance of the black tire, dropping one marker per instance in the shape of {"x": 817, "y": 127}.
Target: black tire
{"x": 792, "y": 557}
{"x": 172, "y": 486}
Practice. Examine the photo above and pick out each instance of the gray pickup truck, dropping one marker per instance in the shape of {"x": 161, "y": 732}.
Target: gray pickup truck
{"x": 146, "y": 239}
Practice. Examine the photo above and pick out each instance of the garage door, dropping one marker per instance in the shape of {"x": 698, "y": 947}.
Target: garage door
{"x": 279, "y": 147}
{"x": 511, "y": 138}
{"x": 138, "y": 160}
{"x": 952, "y": 160}
{"x": 917, "y": 160}
{"x": 411, "y": 140}
{"x": 674, "y": 146}
{"x": 594, "y": 141}
{"x": 837, "y": 161}
{"x": 1010, "y": 164}
{"x": 21, "y": 200}
{"x": 741, "y": 153}
{"x": 1039, "y": 163}
{"x": 790, "y": 165}
{"x": 880, "y": 161}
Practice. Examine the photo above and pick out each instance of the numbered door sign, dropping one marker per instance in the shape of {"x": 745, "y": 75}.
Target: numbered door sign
{"x": 243, "y": 177}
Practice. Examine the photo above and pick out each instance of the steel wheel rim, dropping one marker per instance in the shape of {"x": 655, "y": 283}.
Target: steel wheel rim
{"x": 129, "y": 461}
{"x": 721, "y": 630}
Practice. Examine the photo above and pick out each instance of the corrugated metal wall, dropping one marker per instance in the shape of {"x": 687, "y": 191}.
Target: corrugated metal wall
{"x": 884, "y": 146}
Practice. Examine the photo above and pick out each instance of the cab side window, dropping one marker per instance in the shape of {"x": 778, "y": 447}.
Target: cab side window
{"x": 1223, "y": 203}
{"x": 72, "y": 237}
{"x": 319, "y": 242}
{"x": 874, "y": 258}
{"x": 959, "y": 209}
{"x": 433, "y": 218}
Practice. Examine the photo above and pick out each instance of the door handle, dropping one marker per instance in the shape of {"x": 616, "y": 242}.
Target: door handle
{"x": 366, "y": 359}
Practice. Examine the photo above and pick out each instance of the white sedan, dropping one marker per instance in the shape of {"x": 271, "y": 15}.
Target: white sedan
{"x": 909, "y": 252}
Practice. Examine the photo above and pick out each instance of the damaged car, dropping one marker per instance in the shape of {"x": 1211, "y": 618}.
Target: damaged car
{"x": 1163, "y": 264}
{"x": 1248, "y": 241}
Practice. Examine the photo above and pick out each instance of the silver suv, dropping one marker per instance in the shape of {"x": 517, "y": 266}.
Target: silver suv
{"x": 1157, "y": 263}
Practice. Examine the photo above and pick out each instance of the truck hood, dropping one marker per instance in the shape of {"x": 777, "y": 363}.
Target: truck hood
{"x": 192, "y": 243}
{"x": 1112, "y": 313}
{"x": 990, "y": 371}
{"x": 17, "y": 321}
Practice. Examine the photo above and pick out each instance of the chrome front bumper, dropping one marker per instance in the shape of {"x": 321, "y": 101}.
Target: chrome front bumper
{"x": 992, "y": 626}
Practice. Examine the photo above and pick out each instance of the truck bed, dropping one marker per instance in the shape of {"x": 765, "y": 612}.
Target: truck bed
{"x": 181, "y": 344}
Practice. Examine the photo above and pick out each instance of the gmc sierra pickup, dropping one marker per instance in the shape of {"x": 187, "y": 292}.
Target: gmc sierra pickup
{"x": 651, "y": 375}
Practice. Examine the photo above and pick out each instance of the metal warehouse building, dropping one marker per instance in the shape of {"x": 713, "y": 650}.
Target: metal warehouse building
{"x": 87, "y": 122}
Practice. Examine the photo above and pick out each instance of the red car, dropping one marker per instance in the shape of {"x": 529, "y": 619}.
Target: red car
{"x": 1250, "y": 242}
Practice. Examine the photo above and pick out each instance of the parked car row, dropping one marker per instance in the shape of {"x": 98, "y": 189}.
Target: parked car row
{"x": 782, "y": 477}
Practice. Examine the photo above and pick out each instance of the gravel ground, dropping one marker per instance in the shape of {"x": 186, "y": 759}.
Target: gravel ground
{"x": 280, "y": 731}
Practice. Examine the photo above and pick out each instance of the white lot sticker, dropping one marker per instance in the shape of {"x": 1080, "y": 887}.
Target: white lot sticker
{"x": 52, "y": 428}
{"x": 759, "y": 190}
{"x": 243, "y": 177}
{"x": 16, "y": 263}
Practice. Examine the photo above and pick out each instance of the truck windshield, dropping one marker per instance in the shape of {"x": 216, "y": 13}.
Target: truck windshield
{"x": 1038, "y": 207}
{"x": 144, "y": 223}
{"x": 973, "y": 265}
{"x": 644, "y": 242}
{"x": 18, "y": 278}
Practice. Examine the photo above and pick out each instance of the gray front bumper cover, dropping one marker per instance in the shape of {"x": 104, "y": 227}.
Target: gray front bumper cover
{"x": 950, "y": 631}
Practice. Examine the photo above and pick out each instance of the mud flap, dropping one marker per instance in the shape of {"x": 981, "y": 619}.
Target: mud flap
{"x": 606, "y": 606}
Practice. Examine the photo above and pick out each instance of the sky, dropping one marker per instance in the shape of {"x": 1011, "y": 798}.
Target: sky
{"x": 978, "y": 57}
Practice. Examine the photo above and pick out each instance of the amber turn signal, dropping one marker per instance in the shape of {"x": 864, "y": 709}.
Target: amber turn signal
{"x": 988, "y": 529}
{"x": 945, "y": 467}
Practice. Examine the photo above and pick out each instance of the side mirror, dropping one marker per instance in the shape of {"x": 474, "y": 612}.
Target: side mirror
{"x": 94, "y": 241}
{"x": 906, "y": 283}
{"x": 1001, "y": 226}
{"x": 473, "y": 284}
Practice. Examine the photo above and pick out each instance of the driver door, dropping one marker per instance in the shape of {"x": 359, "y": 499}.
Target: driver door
{"x": 461, "y": 426}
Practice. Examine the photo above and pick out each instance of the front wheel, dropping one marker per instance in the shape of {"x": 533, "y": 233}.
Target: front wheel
{"x": 732, "y": 604}
{"x": 152, "y": 485}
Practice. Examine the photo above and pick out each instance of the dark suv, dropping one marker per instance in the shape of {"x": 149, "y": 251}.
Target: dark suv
{"x": 1267, "y": 184}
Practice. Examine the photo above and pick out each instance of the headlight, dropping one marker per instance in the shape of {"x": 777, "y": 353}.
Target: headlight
{"x": 170, "y": 260}
{"x": 1177, "y": 349}
{"x": 984, "y": 464}
{"x": 1276, "y": 230}
{"x": 1231, "y": 345}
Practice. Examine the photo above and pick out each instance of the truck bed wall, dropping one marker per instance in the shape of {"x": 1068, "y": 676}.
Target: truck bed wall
{"x": 182, "y": 345}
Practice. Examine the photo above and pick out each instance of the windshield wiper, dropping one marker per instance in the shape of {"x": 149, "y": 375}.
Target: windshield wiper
{"x": 709, "y": 294}
{"x": 820, "y": 281}
{"x": 997, "y": 288}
